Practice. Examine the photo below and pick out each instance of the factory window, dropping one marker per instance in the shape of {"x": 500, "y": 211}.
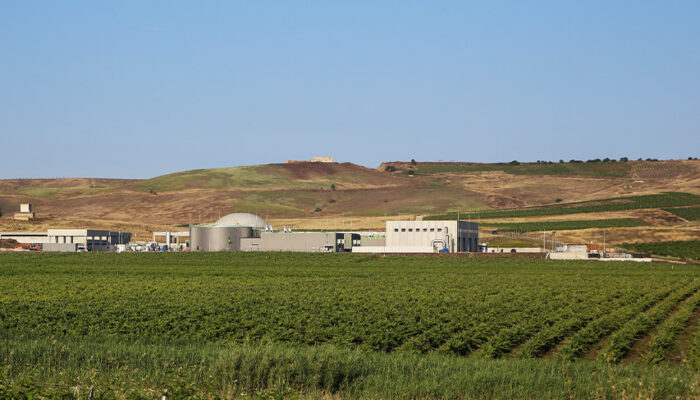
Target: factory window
{"x": 439, "y": 229}
{"x": 425, "y": 229}
{"x": 403, "y": 229}
{"x": 432, "y": 229}
{"x": 396, "y": 229}
{"x": 410, "y": 229}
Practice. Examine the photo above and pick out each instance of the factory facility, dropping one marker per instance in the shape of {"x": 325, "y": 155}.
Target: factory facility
{"x": 226, "y": 233}
{"x": 70, "y": 240}
{"x": 427, "y": 237}
{"x": 248, "y": 232}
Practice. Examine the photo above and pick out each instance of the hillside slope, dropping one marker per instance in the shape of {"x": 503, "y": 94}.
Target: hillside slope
{"x": 318, "y": 191}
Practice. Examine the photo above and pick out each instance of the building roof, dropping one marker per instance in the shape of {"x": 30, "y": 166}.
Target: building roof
{"x": 244, "y": 220}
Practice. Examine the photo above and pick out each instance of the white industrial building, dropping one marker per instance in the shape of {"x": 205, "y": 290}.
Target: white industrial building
{"x": 427, "y": 237}
{"x": 71, "y": 239}
{"x": 248, "y": 232}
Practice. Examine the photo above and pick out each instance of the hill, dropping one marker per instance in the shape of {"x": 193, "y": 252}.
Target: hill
{"x": 325, "y": 195}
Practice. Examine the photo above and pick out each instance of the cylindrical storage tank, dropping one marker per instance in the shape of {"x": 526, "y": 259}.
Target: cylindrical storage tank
{"x": 218, "y": 238}
{"x": 227, "y": 238}
{"x": 199, "y": 238}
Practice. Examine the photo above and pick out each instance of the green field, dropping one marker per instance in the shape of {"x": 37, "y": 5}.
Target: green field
{"x": 667, "y": 199}
{"x": 563, "y": 225}
{"x": 682, "y": 249}
{"x": 688, "y": 213}
{"x": 602, "y": 169}
{"x": 282, "y": 325}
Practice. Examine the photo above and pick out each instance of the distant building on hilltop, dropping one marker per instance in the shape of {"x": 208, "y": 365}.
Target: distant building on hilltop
{"x": 25, "y": 213}
{"x": 315, "y": 159}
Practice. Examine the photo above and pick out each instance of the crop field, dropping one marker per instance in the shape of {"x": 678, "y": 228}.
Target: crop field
{"x": 282, "y": 325}
{"x": 668, "y": 199}
{"x": 682, "y": 249}
{"x": 607, "y": 169}
{"x": 688, "y": 213}
{"x": 563, "y": 225}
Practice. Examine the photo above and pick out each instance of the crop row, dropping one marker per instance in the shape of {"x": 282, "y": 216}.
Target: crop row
{"x": 682, "y": 249}
{"x": 547, "y": 338}
{"x": 480, "y": 307}
{"x": 564, "y": 225}
{"x": 688, "y": 213}
{"x": 694, "y": 351}
{"x": 622, "y": 340}
{"x": 577, "y": 345}
{"x": 668, "y": 332}
{"x": 544, "y": 168}
{"x": 668, "y": 199}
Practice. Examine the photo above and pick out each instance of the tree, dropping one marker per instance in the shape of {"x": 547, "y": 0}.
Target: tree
{"x": 390, "y": 168}
{"x": 411, "y": 172}
{"x": 332, "y": 186}
{"x": 413, "y": 161}
{"x": 624, "y": 159}
{"x": 514, "y": 162}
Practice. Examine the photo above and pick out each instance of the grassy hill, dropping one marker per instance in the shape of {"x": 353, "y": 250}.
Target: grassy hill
{"x": 273, "y": 176}
{"x": 318, "y": 195}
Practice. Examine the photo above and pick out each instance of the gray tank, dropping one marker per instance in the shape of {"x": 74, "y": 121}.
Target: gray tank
{"x": 219, "y": 238}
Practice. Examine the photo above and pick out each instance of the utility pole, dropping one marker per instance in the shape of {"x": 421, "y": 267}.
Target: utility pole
{"x": 544, "y": 240}
{"x": 603, "y": 242}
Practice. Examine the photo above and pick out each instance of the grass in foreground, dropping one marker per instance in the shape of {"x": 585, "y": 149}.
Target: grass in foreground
{"x": 286, "y": 325}
{"x": 58, "y": 368}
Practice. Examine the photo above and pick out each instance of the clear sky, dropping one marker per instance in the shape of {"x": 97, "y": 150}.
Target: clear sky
{"x": 140, "y": 88}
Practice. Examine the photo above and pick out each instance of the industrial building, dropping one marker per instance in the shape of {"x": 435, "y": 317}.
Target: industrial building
{"x": 69, "y": 240}
{"x": 426, "y": 237}
{"x": 226, "y": 233}
{"x": 248, "y": 232}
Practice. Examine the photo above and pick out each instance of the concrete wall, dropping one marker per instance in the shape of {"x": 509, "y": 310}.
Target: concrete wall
{"x": 60, "y": 247}
{"x": 298, "y": 241}
{"x": 251, "y": 244}
{"x": 398, "y": 249}
{"x": 517, "y": 250}
{"x": 373, "y": 241}
{"x": 569, "y": 255}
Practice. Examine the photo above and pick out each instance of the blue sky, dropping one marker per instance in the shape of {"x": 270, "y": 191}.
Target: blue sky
{"x": 136, "y": 89}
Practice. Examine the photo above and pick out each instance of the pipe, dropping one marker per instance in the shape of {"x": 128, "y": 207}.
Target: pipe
{"x": 432, "y": 243}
